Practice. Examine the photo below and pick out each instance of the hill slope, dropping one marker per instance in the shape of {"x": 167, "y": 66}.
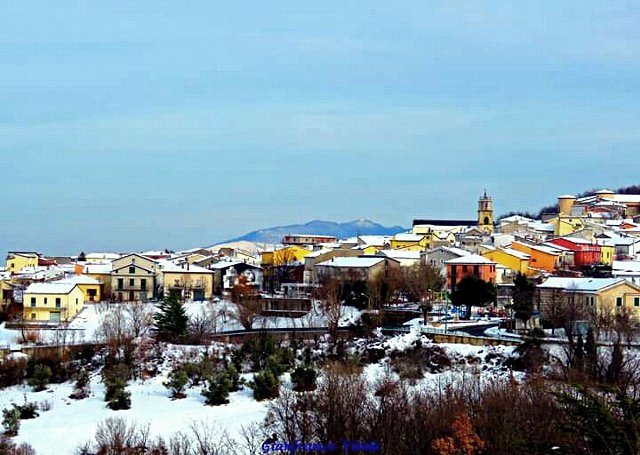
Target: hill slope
{"x": 319, "y": 227}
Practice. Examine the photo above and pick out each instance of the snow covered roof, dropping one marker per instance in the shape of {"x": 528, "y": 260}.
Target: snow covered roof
{"x": 516, "y": 219}
{"x": 408, "y": 237}
{"x": 98, "y": 268}
{"x": 170, "y": 267}
{"x": 374, "y": 240}
{"x": 54, "y": 287}
{"x": 401, "y": 254}
{"x": 224, "y": 264}
{"x": 78, "y": 279}
{"x": 516, "y": 253}
{"x": 626, "y": 266}
{"x": 580, "y": 284}
{"x": 352, "y": 262}
{"x": 102, "y": 256}
{"x": 470, "y": 259}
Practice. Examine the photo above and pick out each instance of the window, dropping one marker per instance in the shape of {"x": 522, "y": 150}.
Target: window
{"x": 45, "y": 300}
{"x": 132, "y": 281}
{"x": 636, "y": 301}
{"x": 33, "y": 315}
{"x": 143, "y": 284}
{"x": 618, "y": 301}
{"x": 58, "y": 302}
{"x": 33, "y": 301}
{"x": 120, "y": 283}
{"x": 132, "y": 270}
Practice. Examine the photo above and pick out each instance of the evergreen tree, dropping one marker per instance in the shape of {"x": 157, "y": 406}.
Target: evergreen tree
{"x": 473, "y": 291}
{"x": 171, "y": 320}
{"x": 523, "y": 297}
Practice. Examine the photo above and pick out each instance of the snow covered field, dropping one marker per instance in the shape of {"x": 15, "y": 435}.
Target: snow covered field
{"x": 85, "y": 327}
{"x": 70, "y": 423}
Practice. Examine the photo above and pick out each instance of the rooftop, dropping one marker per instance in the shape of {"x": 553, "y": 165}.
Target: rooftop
{"x": 470, "y": 259}
{"x": 54, "y": 287}
{"x": 352, "y": 262}
{"x": 580, "y": 284}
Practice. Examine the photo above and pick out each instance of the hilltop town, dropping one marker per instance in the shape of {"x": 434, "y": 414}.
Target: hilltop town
{"x": 230, "y": 332}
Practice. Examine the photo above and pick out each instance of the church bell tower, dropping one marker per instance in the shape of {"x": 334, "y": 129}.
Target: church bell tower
{"x": 485, "y": 213}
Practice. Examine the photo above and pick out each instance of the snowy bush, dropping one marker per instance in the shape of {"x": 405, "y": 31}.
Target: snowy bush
{"x": 265, "y": 385}
{"x": 40, "y": 378}
{"x": 11, "y": 421}
{"x": 217, "y": 392}
{"x": 177, "y": 383}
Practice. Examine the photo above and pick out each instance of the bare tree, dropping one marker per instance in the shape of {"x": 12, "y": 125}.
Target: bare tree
{"x": 329, "y": 294}
{"x": 248, "y": 304}
{"x": 140, "y": 317}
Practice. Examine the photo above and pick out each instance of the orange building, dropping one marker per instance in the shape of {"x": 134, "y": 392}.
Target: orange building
{"x": 472, "y": 264}
{"x": 542, "y": 257}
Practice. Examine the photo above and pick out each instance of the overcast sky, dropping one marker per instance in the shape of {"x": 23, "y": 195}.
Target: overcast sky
{"x": 152, "y": 124}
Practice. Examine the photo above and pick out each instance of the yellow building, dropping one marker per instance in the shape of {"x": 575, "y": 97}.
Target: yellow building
{"x": 133, "y": 278}
{"x": 91, "y": 288}
{"x": 514, "y": 260}
{"x": 600, "y": 295}
{"x": 286, "y": 255}
{"x": 18, "y": 260}
{"x": 52, "y": 302}
{"x": 187, "y": 281}
{"x": 409, "y": 242}
{"x": 608, "y": 254}
{"x": 100, "y": 272}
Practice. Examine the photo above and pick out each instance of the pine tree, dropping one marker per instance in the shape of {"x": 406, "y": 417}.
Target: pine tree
{"x": 523, "y": 296}
{"x": 171, "y": 320}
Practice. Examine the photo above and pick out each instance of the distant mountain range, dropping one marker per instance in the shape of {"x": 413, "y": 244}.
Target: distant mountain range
{"x": 319, "y": 227}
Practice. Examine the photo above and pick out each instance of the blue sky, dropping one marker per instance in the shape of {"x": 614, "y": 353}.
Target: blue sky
{"x": 153, "y": 124}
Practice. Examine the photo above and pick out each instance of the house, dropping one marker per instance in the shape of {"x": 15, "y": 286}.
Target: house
{"x": 406, "y": 258}
{"x": 542, "y": 258}
{"x": 590, "y": 294}
{"x": 472, "y": 264}
{"x": 91, "y": 288}
{"x": 514, "y": 260}
{"x": 186, "y": 281}
{"x": 408, "y": 241}
{"x": 100, "y": 272}
{"x": 629, "y": 270}
{"x": 585, "y": 252}
{"x": 226, "y": 274}
{"x": 437, "y": 257}
{"x": 361, "y": 268}
{"x": 133, "y": 278}
{"x": 283, "y": 265}
{"x": 307, "y": 239}
{"x": 52, "y": 302}
{"x": 18, "y": 260}
{"x": 322, "y": 255}
{"x": 98, "y": 258}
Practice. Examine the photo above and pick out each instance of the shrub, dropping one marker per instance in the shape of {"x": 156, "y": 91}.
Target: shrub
{"x": 11, "y": 421}
{"x": 304, "y": 378}
{"x": 119, "y": 396}
{"x": 177, "y": 383}
{"x": 236, "y": 381}
{"x": 40, "y": 378}
{"x": 266, "y": 385}
{"x": 82, "y": 387}
{"x": 27, "y": 410}
{"x": 217, "y": 393}
{"x": 12, "y": 372}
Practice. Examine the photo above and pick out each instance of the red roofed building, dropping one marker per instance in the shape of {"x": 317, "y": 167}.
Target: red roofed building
{"x": 585, "y": 252}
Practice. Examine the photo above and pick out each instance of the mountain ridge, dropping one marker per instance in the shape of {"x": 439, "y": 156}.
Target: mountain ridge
{"x": 361, "y": 226}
